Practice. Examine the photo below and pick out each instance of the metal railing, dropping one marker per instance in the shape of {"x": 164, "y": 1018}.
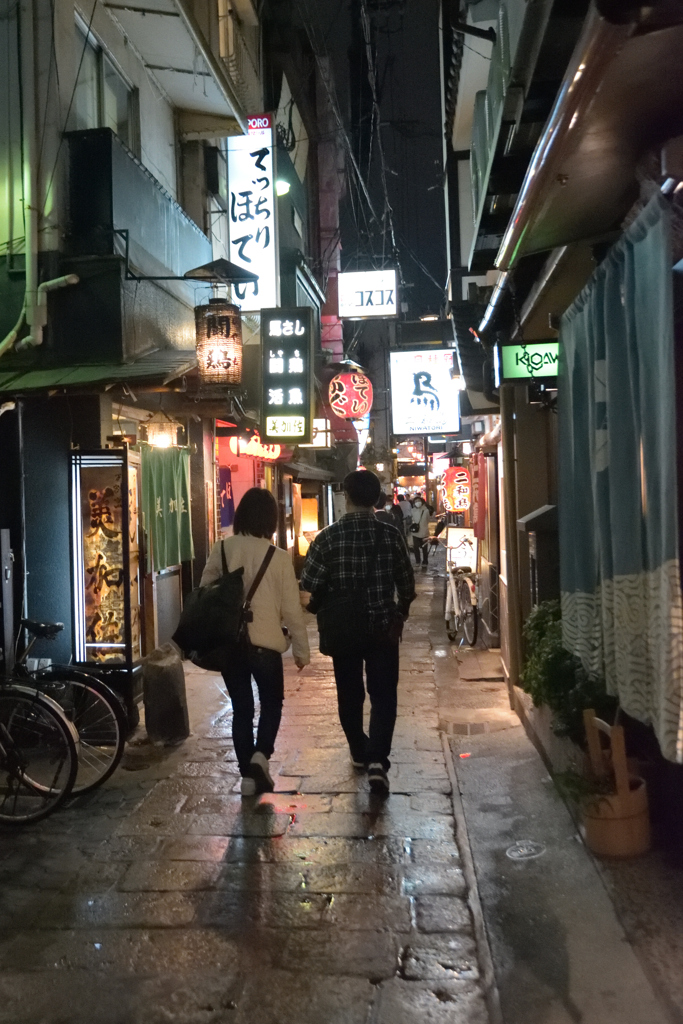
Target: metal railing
{"x": 242, "y": 68}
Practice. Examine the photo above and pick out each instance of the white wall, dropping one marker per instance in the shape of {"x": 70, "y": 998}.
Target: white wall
{"x": 58, "y": 53}
{"x": 157, "y": 131}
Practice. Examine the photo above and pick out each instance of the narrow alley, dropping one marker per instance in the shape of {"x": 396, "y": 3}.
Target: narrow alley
{"x": 166, "y": 897}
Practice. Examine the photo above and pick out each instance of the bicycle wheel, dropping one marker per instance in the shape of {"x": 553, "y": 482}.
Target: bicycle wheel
{"x": 99, "y": 718}
{"x": 468, "y": 612}
{"x": 452, "y": 624}
{"x": 38, "y": 755}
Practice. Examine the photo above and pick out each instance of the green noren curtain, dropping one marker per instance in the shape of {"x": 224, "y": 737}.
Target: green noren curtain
{"x": 622, "y": 613}
{"x": 166, "y": 506}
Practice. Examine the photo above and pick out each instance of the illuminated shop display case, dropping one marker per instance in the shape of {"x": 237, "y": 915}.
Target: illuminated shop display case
{"x": 107, "y": 566}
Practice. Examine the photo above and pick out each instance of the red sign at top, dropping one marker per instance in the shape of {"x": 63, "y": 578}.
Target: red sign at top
{"x": 257, "y": 123}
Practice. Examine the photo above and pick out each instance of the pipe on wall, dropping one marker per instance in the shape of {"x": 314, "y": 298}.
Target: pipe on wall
{"x": 597, "y": 45}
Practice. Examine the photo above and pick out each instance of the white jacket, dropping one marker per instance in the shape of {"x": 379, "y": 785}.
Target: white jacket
{"x": 420, "y": 516}
{"x": 276, "y": 600}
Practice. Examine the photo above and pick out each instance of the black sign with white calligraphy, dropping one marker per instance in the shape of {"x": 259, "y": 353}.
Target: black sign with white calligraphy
{"x": 288, "y": 393}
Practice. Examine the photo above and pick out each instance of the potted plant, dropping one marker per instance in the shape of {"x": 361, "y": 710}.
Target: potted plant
{"x": 556, "y": 679}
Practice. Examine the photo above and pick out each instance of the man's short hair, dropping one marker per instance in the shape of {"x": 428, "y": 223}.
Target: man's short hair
{"x": 363, "y": 488}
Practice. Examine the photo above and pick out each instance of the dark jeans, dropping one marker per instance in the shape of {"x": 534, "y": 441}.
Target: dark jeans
{"x": 266, "y": 668}
{"x": 419, "y": 546}
{"x": 381, "y": 669}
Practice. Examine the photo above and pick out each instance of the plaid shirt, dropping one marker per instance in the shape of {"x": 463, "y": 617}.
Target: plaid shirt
{"x": 339, "y": 559}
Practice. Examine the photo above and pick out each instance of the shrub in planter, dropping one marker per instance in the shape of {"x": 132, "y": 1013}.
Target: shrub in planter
{"x": 554, "y": 677}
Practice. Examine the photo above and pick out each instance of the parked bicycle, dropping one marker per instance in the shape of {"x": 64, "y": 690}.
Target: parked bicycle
{"x": 460, "y": 591}
{"x": 38, "y": 754}
{"x": 88, "y": 703}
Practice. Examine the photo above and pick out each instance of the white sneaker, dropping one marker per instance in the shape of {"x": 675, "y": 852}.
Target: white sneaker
{"x": 258, "y": 769}
{"x": 248, "y": 786}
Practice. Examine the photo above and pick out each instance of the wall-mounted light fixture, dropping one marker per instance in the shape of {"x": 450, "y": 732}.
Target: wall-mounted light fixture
{"x": 162, "y": 431}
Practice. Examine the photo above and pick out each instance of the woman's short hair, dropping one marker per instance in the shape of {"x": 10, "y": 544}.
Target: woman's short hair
{"x": 256, "y": 514}
{"x": 363, "y": 488}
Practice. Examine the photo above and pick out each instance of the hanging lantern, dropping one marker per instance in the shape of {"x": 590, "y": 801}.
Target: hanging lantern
{"x": 350, "y": 395}
{"x": 219, "y": 342}
{"x": 457, "y": 489}
{"x": 162, "y": 431}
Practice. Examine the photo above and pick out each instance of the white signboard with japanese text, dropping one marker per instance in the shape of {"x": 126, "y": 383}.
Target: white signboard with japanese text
{"x": 252, "y": 214}
{"x": 287, "y": 373}
{"x": 367, "y": 293}
{"x": 425, "y": 399}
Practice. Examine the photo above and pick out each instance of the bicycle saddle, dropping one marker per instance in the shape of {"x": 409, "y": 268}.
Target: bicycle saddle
{"x": 46, "y": 630}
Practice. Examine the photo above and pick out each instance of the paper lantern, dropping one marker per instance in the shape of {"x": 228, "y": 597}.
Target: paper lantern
{"x": 351, "y": 395}
{"x": 457, "y": 489}
{"x": 162, "y": 431}
{"x": 219, "y": 342}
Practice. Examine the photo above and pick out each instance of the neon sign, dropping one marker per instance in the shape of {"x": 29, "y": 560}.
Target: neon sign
{"x": 253, "y": 448}
{"x": 537, "y": 359}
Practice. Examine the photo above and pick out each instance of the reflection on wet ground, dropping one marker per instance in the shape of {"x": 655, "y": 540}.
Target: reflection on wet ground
{"x": 165, "y": 897}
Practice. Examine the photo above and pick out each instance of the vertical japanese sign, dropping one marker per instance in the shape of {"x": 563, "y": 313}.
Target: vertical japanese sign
{"x": 252, "y": 213}
{"x": 227, "y": 501}
{"x": 478, "y": 509}
{"x": 456, "y": 489}
{"x": 288, "y": 392}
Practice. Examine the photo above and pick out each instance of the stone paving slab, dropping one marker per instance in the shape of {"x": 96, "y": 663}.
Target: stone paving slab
{"x": 166, "y": 897}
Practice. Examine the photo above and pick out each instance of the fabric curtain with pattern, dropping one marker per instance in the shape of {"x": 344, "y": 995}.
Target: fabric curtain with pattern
{"x": 622, "y": 612}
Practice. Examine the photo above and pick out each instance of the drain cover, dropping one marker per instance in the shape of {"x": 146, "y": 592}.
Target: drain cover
{"x": 525, "y": 849}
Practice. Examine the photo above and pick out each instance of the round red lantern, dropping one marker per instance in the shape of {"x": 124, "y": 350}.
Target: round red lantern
{"x": 457, "y": 489}
{"x": 350, "y": 395}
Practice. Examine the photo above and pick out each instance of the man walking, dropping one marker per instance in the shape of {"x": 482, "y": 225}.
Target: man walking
{"x": 406, "y": 509}
{"x": 366, "y": 563}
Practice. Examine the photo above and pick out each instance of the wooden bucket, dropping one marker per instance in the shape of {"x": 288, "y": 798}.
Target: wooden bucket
{"x": 617, "y": 824}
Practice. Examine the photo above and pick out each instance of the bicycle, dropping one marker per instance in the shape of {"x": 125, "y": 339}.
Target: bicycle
{"x": 38, "y": 755}
{"x": 88, "y": 703}
{"x": 460, "y": 591}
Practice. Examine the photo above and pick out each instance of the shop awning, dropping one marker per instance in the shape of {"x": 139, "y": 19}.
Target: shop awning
{"x": 621, "y": 97}
{"x": 156, "y": 367}
{"x": 306, "y": 472}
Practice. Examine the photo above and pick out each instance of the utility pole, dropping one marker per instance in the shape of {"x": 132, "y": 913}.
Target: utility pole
{"x": 425, "y": 449}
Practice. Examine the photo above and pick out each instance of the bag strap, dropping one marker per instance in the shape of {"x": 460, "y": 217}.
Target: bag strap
{"x": 225, "y": 564}
{"x": 259, "y": 575}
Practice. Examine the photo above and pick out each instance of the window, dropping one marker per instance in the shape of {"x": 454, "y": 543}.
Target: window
{"x": 102, "y": 98}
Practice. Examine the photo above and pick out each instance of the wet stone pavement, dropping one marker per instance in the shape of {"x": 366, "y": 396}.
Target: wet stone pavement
{"x": 165, "y": 897}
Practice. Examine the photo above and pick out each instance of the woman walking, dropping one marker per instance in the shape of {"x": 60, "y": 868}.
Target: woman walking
{"x": 274, "y": 603}
{"x": 419, "y": 530}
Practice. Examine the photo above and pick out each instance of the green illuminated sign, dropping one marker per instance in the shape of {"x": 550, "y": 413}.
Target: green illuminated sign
{"x": 537, "y": 359}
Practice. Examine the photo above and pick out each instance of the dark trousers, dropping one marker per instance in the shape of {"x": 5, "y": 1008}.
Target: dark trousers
{"x": 266, "y": 668}
{"x": 419, "y": 546}
{"x": 381, "y": 670}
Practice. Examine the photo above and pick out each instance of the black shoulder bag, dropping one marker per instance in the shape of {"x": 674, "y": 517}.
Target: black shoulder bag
{"x": 343, "y": 617}
{"x": 214, "y": 618}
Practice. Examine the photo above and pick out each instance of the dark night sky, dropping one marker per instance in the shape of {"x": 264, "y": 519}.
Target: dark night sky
{"x": 406, "y": 40}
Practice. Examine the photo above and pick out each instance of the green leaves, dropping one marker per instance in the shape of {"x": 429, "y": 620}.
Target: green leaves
{"x": 555, "y": 678}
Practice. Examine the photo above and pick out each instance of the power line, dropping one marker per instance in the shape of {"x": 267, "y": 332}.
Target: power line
{"x": 376, "y": 116}
{"x": 331, "y": 95}
{"x": 86, "y": 43}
